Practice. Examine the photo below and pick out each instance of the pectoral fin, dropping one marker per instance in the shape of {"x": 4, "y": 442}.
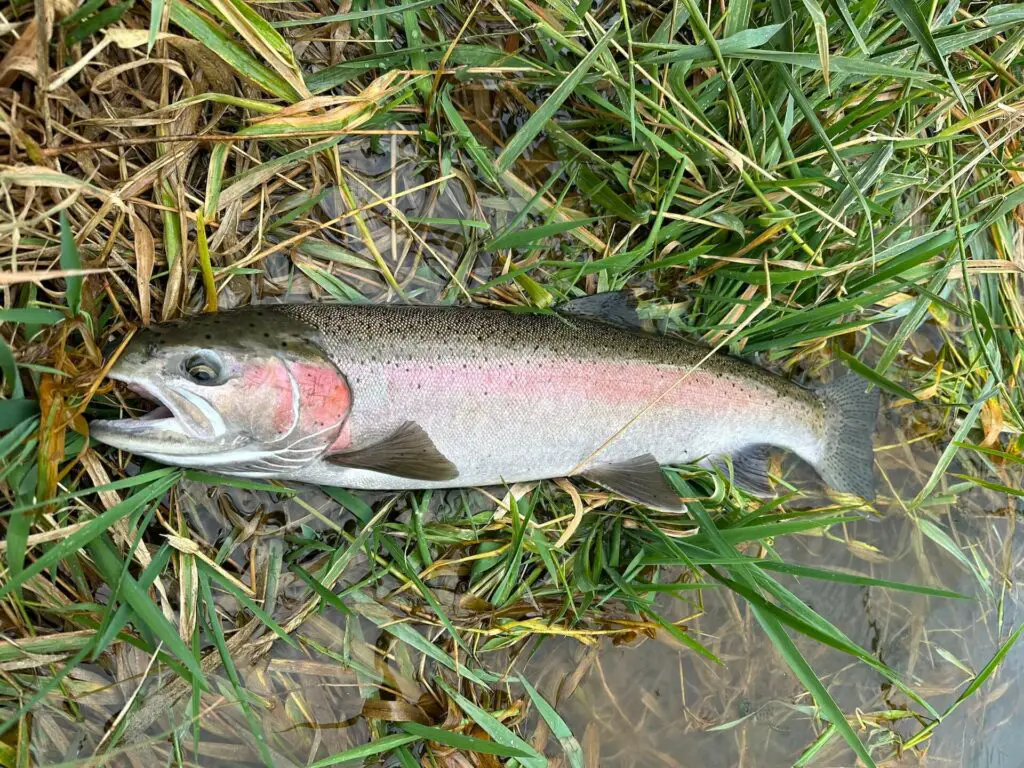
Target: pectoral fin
{"x": 406, "y": 452}
{"x": 639, "y": 479}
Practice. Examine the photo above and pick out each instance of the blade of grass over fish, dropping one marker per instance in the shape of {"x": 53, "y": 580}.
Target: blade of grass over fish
{"x": 211, "y": 478}
{"x": 495, "y": 729}
{"x": 461, "y": 742}
{"x": 871, "y": 375}
{"x": 546, "y": 111}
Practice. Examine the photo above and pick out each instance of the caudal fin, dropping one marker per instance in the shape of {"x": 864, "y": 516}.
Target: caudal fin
{"x": 851, "y": 407}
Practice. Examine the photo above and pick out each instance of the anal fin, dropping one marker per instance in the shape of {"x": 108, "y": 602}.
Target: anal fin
{"x": 639, "y": 479}
{"x": 407, "y": 452}
{"x": 750, "y": 467}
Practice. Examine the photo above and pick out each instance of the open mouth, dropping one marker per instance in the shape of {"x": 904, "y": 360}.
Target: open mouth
{"x": 160, "y": 428}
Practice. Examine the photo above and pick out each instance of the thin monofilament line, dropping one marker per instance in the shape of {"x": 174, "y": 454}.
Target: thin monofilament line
{"x": 671, "y": 387}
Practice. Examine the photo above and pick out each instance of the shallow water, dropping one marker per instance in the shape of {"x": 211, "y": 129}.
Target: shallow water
{"x": 643, "y": 704}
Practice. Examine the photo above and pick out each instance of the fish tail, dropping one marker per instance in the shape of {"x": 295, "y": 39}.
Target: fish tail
{"x": 851, "y": 407}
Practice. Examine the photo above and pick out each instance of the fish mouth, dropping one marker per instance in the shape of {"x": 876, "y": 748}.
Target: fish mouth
{"x": 165, "y": 430}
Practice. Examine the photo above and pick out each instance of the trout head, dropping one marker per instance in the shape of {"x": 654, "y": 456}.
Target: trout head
{"x": 243, "y": 392}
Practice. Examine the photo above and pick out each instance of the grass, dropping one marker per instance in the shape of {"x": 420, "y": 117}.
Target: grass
{"x": 806, "y": 183}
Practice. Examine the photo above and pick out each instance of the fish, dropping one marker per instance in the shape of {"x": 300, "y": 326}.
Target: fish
{"x": 394, "y": 397}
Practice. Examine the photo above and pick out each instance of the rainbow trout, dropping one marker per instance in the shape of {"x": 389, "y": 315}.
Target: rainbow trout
{"x": 395, "y": 397}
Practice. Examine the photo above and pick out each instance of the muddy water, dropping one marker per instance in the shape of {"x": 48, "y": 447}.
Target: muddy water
{"x": 640, "y": 705}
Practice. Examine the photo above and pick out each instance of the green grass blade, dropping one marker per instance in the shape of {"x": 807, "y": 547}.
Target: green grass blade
{"x": 795, "y": 569}
{"x": 70, "y": 259}
{"x": 242, "y": 698}
{"x": 203, "y": 29}
{"x": 31, "y": 315}
{"x": 496, "y": 729}
{"x": 562, "y": 732}
{"x": 821, "y": 35}
{"x": 913, "y": 18}
{"x": 156, "y": 14}
{"x": 460, "y": 741}
{"x": 795, "y": 660}
{"x": 546, "y": 111}
{"x": 95, "y": 528}
{"x": 248, "y": 602}
{"x": 144, "y": 609}
{"x": 358, "y": 754}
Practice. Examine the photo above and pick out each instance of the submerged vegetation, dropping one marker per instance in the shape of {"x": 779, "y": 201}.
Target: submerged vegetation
{"x": 803, "y": 183}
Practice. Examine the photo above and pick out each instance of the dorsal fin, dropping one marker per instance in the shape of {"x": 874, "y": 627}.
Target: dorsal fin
{"x": 611, "y": 307}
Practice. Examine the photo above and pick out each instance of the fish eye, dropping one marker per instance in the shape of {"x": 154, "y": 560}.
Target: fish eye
{"x": 202, "y": 369}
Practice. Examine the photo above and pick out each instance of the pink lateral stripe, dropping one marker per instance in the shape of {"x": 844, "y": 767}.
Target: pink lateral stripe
{"x": 612, "y": 383}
